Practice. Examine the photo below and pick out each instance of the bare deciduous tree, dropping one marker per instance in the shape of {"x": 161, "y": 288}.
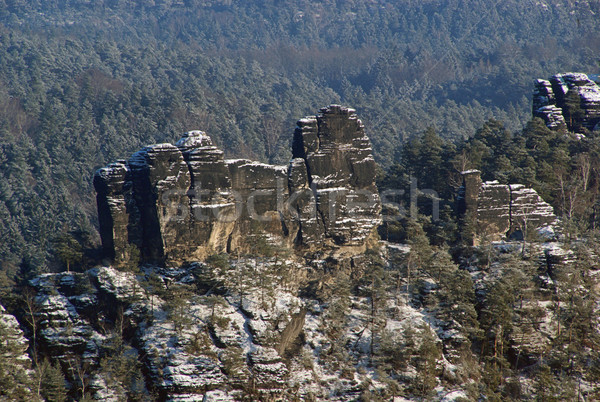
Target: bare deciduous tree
{"x": 272, "y": 127}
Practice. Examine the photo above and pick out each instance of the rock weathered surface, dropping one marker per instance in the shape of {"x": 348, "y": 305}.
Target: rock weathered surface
{"x": 62, "y": 330}
{"x": 339, "y": 166}
{"x": 78, "y": 316}
{"x": 185, "y": 202}
{"x": 112, "y": 208}
{"x": 497, "y": 210}
{"x": 160, "y": 179}
{"x": 527, "y": 208}
{"x": 569, "y": 100}
{"x": 259, "y": 340}
{"x": 494, "y": 208}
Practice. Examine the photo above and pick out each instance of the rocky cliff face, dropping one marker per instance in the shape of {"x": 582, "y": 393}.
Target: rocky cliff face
{"x": 336, "y": 154}
{"x": 183, "y": 202}
{"x": 570, "y": 100}
{"x": 308, "y": 325}
{"x": 251, "y": 337}
{"x": 497, "y": 210}
{"x": 234, "y": 328}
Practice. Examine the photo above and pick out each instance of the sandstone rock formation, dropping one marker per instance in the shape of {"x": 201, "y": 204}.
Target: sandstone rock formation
{"x": 570, "y": 100}
{"x": 498, "y": 210}
{"x": 190, "y": 346}
{"x": 340, "y": 167}
{"x": 182, "y": 202}
{"x": 62, "y": 330}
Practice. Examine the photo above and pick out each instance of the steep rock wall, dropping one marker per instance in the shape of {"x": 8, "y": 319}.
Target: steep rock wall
{"x": 182, "y": 202}
{"x": 498, "y": 210}
{"x": 339, "y": 166}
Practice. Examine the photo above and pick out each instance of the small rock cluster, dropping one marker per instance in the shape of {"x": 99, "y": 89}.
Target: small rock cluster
{"x": 551, "y": 104}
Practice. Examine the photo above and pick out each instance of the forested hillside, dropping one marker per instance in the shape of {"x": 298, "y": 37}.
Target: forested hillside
{"x": 439, "y": 311}
{"x": 83, "y": 83}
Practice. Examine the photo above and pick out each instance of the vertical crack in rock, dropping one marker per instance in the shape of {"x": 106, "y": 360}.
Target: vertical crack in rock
{"x": 160, "y": 179}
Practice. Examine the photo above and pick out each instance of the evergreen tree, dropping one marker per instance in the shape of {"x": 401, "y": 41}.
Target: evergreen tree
{"x": 177, "y": 297}
{"x": 426, "y": 364}
{"x": 572, "y": 110}
{"x": 16, "y": 380}
{"x": 68, "y": 250}
{"x": 52, "y": 381}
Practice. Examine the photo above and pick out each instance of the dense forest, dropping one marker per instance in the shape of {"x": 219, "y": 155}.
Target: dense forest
{"x": 83, "y": 83}
{"x": 441, "y": 86}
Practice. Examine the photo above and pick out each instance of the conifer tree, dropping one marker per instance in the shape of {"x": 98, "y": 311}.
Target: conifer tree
{"x": 68, "y": 250}
{"x": 52, "y": 381}
{"x": 16, "y": 380}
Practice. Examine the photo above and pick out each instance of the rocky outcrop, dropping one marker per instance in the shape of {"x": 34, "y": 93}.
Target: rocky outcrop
{"x": 80, "y": 320}
{"x": 339, "y": 166}
{"x": 255, "y": 338}
{"x": 570, "y": 100}
{"x": 112, "y": 208}
{"x": 527, "y": 208}
{"x": 494, "y": 208}
{"x": 552, "y": 116}
{"x": 183, "y": 202}
{"x": 268, "y": 371}
{"x": 62, "y": 330}
{"x": 494, "y": 211}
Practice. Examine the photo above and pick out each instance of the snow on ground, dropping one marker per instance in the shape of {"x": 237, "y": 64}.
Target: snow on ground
{"x": 122, "y": 284}
{"x": 453, "y": 396}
